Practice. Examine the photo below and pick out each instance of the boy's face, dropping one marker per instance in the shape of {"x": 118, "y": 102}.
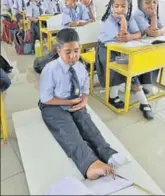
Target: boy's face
{"x": 149, "y": 4}
{"x": 70, "y": 3}
{"x": 70, "y": 52}
{"x": 120, "y": 7}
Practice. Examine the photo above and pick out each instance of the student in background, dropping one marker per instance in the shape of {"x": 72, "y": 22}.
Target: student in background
{"x": 19, "y": 7}
{"x": 147, "y": 18}
{"x": 118, "y": 25}
{"x": 52, "y": 7}
{"x": 75, "y": 14}
{"x": 64, "y": 88}
{"x": 7, "y": 6}
{"x": 33, "y": 11}
{"x": 90, "y": 7}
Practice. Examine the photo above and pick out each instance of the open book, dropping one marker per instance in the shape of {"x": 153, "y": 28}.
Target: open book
{"x": 103, "y": 186}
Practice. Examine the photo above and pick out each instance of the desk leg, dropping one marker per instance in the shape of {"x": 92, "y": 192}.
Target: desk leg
{"x": 91, "y": 77}
{"x": 49, "y": 41}
{"x": 41, "y": 38}
{"x": 107, "y": 85}
{"x": 162, "y": 73}
{"x": 127, "y": 94}
{"x": 4, "y": 132}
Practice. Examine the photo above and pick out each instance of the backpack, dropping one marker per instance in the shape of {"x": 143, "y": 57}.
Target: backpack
{"x": 41, "y": 62}
{"x": 23, "y": 42}
{"x": 5, "y": 65}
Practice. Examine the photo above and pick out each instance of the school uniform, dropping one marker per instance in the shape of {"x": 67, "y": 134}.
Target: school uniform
{"x": 80, "y": 12}
{"x": 52, "y": 7}
{"x": 20, "y": 6}
{"x": 143, "y": 22}
{"x": 109, "y": 31}
{"x": 74, "y": 131}
{"x": 8, "y": 5}
{"x": 34, "y": 10}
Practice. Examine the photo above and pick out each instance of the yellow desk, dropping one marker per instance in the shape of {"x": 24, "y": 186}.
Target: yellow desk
{"x": 44, "y": 30}
{"x": 141, "y": 60}
{"x": 4, "y": 132}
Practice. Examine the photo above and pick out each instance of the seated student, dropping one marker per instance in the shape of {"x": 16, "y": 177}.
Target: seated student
{"x": 64, "y": 87}
{"x": 75, "y": 14}
{"x": 147, "y": 18}
{"x": 52, "y": 7}
{"x": 7, "y": 5}
{"x": 91, "y": 8}
{"x": 19, "y": 7}
{"x": 33, "y": 11}
{"x": 5, "y": 81}
{"x": 119, "y": 26}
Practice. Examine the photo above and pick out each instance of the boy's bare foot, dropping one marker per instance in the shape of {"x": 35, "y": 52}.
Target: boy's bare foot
{"x": 98, "y": 169}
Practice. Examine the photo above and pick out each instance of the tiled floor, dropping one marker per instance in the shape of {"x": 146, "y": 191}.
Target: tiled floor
{"x": 145, "y": 140}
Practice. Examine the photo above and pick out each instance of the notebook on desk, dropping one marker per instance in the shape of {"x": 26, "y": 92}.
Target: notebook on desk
{"x": 103, "y": 186}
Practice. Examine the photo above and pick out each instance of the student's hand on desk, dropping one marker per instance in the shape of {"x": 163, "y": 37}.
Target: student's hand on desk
{"x": 155, "y": 33}
{"x": 125, "y": 37}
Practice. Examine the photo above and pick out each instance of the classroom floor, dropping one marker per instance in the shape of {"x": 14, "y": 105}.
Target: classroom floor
{"x": 144, "y": 140}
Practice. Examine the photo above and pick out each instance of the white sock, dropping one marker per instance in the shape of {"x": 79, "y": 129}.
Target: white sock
{"x": 148, "y": 87}
{"x": 142, "y": 99}
{"x": 114, "y": 91}
{"x": 118, "y": 159}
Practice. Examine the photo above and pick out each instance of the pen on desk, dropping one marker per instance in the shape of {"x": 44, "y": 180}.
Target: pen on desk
{"x": 113, "y": 172}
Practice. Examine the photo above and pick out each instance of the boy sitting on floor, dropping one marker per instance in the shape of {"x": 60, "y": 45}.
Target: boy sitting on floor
{"x": 64, "y": 87}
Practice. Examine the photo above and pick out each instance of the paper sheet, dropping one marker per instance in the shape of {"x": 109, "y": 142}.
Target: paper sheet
{"x": 134, "y": 44}
{"x": 69, "y": 186}
{"x": 107, "y": 185}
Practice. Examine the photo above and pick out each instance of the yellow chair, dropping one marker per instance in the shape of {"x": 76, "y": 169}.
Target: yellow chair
{"x": 89, "y": 58}
{"x": 141, "y": 60}
{"x": 4, "y": 132}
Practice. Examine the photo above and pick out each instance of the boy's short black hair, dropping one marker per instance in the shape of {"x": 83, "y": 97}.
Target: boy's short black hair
{"x": 67, "y": 35}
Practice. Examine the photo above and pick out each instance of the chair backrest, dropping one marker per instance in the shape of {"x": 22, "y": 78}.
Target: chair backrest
{"x": 55, "y": 22}
{"x": 89, "y": 33}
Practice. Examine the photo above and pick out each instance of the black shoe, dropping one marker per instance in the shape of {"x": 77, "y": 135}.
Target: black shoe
{"x": 146, "y": 113}
{"x": 146, "y": 91}
{"x": 118, "y": 104}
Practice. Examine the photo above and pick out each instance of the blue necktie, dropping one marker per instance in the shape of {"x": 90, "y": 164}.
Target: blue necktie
{"x": 75, "y": 85}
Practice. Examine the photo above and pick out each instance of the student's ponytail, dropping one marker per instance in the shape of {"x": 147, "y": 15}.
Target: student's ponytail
{"x": 129, "y": 13}
{"x": 108, "y": 11}
{"x": 28, "y": 3}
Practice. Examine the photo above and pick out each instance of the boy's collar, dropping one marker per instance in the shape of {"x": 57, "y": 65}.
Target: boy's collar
{"x": 65, "y": 67}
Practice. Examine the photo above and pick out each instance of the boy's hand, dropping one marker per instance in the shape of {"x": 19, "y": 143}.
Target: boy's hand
{"x": 75, "y": 101}
{"x": 77, "y": 107}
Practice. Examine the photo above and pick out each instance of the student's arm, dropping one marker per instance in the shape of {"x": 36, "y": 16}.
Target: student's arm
{"x": 123, "y": 25}
{"x": 134, "y": 32}
{"x": 92, "y": 11}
